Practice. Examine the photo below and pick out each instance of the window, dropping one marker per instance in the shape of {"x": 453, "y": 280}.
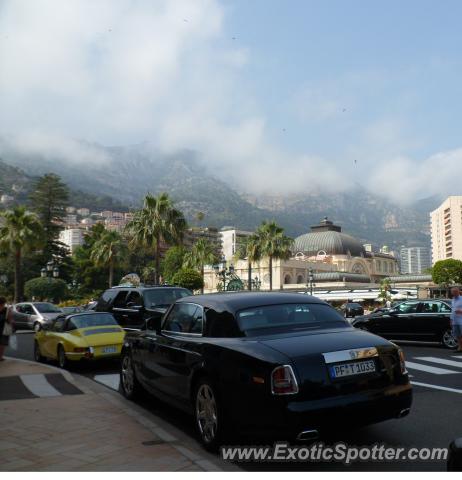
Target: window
{"x": 119, "y": 301}
{"x": 134, "y": 298}
{"x": 407, "y": 307}
{"x": 58, "y": 325}
{"x": 445, "y": 308}
{"x": 27, "y": 309}
{"x": 163, "y": 297}
{"x": 221, "y": 325}
{"x": 107, "y": 297}
{"x": 93, "y": 320}
{"x": 184, "y": 318}
{"x": 288, "y": 317}
{"x": 45, "y": 307}
{"x": 431, "y": 307}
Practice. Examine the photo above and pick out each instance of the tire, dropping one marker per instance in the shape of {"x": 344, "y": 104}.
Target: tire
{"x": 129, "y": 384}
{"x": 448, "y": 341}
{"x": 61, "y": 355}
{"x": 209, "y": 420}
{"x": 38, "y": 357}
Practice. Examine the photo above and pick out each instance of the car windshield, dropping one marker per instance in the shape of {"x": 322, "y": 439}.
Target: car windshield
{"x": 289, "y": 317}
{"x": 71, "y": 309}
{"x": 93, "y": 320}
{"x": 45, "y": 307}
{"x": 164, "y": 297}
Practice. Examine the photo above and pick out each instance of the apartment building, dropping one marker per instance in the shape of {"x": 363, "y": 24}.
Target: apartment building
{"x": 446, "y": 230}
{"x": 231, "y": 239}
{"x": 415, "y": 260}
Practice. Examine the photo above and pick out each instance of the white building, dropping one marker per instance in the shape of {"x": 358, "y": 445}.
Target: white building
{"x": 83, "y": 212}
{"x": 446, "y": 230}
{"x": 415, "y": 259}
{"x": 72, "y": 237}
{"x": 231, "y": 239}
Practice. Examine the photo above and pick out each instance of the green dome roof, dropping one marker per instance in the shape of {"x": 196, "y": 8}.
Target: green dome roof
{"x": 331, "y": 242}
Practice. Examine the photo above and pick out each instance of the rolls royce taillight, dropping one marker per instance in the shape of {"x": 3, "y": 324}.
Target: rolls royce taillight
{"x": 283, "y": 381}
{"x": 402, "y": 362}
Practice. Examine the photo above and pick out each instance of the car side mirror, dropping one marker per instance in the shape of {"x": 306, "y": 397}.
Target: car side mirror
{"x": 154, "y": 324}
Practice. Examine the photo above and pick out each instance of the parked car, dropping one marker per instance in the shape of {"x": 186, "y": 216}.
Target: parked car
{"x": 273, "y": 363}
{"x": 132, "y": 306}
{"x": 81, "y": 336}
{"x": 417, "y": 320}
{"x": 32, "y": 315}
{"x": 352, "y": 309}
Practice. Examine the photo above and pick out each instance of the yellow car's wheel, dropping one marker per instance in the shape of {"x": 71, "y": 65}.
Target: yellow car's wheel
{"x": 62, "y": 360}
{"x": 37, "y": 355}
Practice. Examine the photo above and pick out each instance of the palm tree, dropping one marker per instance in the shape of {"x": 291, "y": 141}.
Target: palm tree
{"x": 21, "y": 231}
{"x": 157, "y": 221}
{"x": 273, "y": 244}
{"x": 249, "y": 249}
{"x": 108, "y": 250}
{"x": 202, "y": 253}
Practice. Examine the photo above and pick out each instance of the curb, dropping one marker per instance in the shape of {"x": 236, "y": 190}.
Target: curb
{"x": 143, "y": 417}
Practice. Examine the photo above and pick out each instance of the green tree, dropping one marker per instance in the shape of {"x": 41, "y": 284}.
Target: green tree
{"x": 189, "y": 278}
{"x": 21, "y": 232}
{"x": 109, "y": 250}
{"x": 52, "y": 289}
{"x": 384, "y": 293}
{"x": 273, "y": 244}
{"x": 49, "y": 199}
{"x": 202, "y": 253}
{"x": 172, "y": 262}
{"x": 157, "y": 222}
{"x": 250, "y": 250}
{"x": 447, "y": 272}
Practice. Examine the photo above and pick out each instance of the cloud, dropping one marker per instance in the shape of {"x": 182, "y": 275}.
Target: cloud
{"x": 164, "y": 71}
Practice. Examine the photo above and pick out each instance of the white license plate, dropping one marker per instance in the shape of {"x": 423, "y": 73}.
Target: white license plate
{"x": 348, "y": 369}
{"x": 112, "y": 349}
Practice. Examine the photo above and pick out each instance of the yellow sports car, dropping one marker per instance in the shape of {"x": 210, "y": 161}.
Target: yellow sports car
{"x": 89, "y": 335}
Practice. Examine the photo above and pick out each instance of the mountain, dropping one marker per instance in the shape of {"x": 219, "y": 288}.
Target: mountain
{"x": 127, "y": 173}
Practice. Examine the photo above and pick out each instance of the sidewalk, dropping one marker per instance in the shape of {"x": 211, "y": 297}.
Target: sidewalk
{"x": 52, "y": 420}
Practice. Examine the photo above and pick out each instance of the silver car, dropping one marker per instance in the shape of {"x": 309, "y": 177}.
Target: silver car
{"x": 33, "y": 315}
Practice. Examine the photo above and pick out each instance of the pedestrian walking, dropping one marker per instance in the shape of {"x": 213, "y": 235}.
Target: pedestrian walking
{"x": 456, "y": 316}
{"x": 6, "y": 326}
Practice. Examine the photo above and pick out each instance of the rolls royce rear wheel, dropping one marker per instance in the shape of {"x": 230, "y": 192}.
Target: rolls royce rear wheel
{"x": 129, "y": 384}
{"x": 448, "y": 340}
{"x": 209, "y": 421}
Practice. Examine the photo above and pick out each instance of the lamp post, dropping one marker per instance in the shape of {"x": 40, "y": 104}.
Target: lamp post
{"x": 222, "y": 272}
{"x": 51, "y": 270}
{"x": 311, "y": 280}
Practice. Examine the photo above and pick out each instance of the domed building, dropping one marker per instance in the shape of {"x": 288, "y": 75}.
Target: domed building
{"x": 331, "y": 257}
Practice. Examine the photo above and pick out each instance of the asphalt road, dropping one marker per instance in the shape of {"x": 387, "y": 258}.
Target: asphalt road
{"x": 435, "y": 419}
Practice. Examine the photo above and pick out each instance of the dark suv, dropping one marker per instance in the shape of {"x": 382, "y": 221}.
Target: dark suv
{"x": 133, "y": 306}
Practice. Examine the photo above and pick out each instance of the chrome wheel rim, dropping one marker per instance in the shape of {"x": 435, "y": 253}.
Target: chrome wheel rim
{"x": 206, "y": 413}
{"x": 449, "y": 340}
{"x": 36, "y": 326}
{"x": 127, "y": 375}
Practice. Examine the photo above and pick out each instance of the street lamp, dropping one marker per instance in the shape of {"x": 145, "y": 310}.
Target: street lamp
{"x": 256, "y": 283}
{"x": 51, "y": 270}
{"x": 311, "y": 280}
{"x": 223, "y": 273}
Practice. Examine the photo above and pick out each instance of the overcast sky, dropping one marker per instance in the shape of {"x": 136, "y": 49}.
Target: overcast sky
{"x": 283, "y": 95}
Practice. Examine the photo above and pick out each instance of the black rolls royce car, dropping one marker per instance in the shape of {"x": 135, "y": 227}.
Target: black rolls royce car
{"x": 276, "y": 364}
{"x": 415, "y": 320}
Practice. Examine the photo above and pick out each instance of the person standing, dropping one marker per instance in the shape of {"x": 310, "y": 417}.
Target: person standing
{"x": 456, "y": 316}
{"x": 5, "y": 320}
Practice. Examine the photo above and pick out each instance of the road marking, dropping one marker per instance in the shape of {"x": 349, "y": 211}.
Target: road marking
{"x": 429, "y": 369}
{"x": 111, "y": 380}
{"x": 437, "y": 387}
{"x": 38, "y": 385}
{"x": 442, "y": 361}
